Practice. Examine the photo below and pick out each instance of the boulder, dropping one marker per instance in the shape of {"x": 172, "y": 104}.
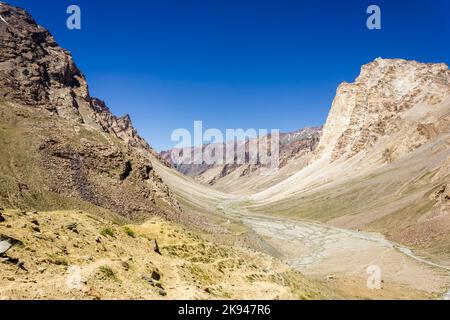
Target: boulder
{"x": 11, "y": 240}
{"x": 155, "y": 246}
{"x": 4, "y": 246}
{"x": 72, "y": 227}
{"x": 161, "y": 292}
{"x": 156, "y": 276}
{"x": 125, "y": 265}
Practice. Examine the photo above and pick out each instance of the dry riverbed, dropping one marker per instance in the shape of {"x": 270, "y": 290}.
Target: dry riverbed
{"x": 342, "y": 257}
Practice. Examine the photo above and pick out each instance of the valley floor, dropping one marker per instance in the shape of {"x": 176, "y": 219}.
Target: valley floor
{"x": 342, "y": 257}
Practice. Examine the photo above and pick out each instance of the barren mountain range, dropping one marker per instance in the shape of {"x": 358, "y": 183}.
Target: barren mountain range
{"x": 292, "y": 145}
{"x": 80, "y": 188}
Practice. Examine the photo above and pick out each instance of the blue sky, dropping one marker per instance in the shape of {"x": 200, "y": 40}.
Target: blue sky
{"x": 235, "y": 64}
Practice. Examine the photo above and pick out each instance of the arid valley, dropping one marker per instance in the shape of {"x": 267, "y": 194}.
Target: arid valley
{"x": 89, "y": 210}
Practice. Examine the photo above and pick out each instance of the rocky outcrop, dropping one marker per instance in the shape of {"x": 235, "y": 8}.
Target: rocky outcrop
{"x": 119, "y": 179}
{"x": 387, "y": 92}
{"x": 299, "y": 143}
{"x": 121, "y": 127}
{"x": 34, "y": 70}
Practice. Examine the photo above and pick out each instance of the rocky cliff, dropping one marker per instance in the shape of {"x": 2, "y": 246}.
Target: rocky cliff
{"x": 386, "y": 94}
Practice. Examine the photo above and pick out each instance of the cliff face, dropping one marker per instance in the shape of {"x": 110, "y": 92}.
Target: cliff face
{"x": 386, "y": 93}
{"x": 84, "y": 151}
{"x": 34, "y": 70}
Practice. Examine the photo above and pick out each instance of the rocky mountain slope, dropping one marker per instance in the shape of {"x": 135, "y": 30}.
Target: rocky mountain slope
{"x": 60, "y": 143}
{"x": 388, "y": 97}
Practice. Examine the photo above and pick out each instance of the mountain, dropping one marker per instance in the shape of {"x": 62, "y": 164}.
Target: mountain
{"x": 389, "y": 98}
{"x": 292, "y": 145}
{"x": 59, "y": 142}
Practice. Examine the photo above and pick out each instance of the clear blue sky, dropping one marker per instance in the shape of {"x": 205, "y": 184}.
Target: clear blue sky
{"x": 235, "y": 64}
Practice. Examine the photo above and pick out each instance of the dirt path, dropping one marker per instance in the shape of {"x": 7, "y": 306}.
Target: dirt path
{"x": 332, "y": 253}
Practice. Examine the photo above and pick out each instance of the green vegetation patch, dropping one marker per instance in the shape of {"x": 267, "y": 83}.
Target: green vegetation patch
{"x": 107, "y": 232}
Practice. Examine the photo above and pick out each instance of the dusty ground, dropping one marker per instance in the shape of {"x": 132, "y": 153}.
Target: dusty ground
{"x": 75, "y": 255}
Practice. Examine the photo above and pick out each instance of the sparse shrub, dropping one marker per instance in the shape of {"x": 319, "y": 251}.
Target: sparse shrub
{"x": 107, "y": 232}
{"x": 107, "y": 272}
{"x": 129, "y": 231}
